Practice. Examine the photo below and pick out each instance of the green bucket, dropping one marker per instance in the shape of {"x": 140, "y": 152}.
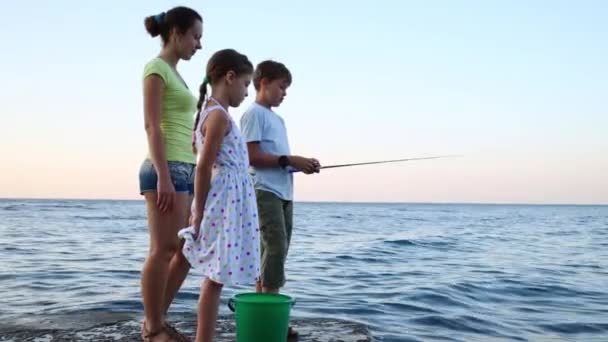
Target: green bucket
{"x": 261, "y": 317}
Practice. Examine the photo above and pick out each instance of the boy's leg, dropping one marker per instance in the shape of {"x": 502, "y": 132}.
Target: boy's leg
{"x": 274, "y": 240}
{"x": 288, "y": 217}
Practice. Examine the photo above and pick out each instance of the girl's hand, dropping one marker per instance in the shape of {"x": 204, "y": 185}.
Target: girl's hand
{"x": 165, "y": 194}
{"x": 195, "y": 221}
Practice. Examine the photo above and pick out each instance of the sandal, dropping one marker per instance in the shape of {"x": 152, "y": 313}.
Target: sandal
{"x": 147, "y": 335}
{"x": 176, "y": 334}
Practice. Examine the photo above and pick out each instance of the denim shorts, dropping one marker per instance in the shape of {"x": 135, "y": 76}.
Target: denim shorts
{"x": 182, "y": 176}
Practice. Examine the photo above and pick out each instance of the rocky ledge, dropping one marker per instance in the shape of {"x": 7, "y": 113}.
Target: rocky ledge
{"x": 128, "y": 329}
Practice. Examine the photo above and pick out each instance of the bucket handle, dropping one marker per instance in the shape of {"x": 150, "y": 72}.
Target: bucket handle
{"x": 231, "y": 304}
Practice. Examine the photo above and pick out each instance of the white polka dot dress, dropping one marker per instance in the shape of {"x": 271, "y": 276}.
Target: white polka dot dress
{"x": 227, "y": 250}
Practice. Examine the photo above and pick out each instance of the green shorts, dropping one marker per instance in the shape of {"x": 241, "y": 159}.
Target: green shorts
{"x": 276, "y": 223}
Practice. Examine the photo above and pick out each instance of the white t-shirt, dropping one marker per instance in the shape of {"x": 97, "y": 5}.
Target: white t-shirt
{"x": 263, "y": 125}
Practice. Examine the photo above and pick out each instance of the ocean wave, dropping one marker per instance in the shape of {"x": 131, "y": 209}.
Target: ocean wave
{"x": 468, "y": 273}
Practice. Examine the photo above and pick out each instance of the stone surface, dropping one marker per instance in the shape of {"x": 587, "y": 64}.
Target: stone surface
{"x": 311, "y": 330}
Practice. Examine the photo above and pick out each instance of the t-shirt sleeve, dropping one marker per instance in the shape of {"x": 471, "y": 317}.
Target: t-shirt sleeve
{"x": 156, "y": 67}
{"x": 251, "y": 125}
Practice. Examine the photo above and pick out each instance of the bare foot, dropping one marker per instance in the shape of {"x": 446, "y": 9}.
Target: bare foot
{"x": 292, "y": 334}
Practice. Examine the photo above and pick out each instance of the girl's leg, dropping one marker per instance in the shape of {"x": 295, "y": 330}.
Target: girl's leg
{"x": 163, "y": 227}
{"x": 208, "y": 306}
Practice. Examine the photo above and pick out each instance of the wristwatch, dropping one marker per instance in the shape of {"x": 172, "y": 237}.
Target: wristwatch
{"x": 283, "y": 161}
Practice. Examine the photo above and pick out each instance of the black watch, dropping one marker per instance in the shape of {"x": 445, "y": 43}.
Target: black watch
{"x": 283, "y": 161}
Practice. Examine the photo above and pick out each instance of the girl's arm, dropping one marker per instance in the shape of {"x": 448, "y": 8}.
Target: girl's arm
{"x": 154, "y": 89}
{"x": 214, "y": 130}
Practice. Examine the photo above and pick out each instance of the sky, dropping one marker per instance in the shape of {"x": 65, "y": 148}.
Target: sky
{"x": 513, "y": 87}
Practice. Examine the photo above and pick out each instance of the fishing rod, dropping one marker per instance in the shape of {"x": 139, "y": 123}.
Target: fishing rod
{"x": 377, "y": 162}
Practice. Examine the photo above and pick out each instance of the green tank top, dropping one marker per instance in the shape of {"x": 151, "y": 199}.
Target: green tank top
{"x": 178, "y": 109}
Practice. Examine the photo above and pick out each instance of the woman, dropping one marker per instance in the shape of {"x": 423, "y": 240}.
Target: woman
{"x": 166, "y": 177}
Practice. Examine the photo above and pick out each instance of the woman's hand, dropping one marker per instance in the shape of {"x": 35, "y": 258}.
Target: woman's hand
{"x": 165, "y": 194}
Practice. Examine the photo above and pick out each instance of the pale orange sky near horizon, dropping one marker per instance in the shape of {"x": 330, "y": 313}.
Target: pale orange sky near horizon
{"x": 522, "y": 100}
{"x": 475, "y": 177}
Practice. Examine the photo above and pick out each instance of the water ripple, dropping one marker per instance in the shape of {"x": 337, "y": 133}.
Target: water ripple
{"x": 411, "y": 272}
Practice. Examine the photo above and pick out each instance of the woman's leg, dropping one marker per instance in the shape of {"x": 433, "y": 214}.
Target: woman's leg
{"x": 163, "y": 227}
{"x": 178, "y": 267}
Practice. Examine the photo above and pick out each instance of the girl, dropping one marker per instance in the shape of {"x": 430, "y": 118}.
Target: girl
{"x": 223, "y": 239}
{"x": 166, "y": 175}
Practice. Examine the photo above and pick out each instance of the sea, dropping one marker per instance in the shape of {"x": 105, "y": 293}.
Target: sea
{"x": 408, "y": 272}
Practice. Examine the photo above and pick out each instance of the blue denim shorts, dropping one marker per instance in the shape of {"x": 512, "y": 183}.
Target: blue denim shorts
{"x": 182, "y": 176}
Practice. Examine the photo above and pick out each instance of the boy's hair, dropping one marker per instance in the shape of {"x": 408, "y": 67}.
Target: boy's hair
{"x": 182, "y": 18}
{"x": 219, "y": 65}
{"x": 271, "y": 71}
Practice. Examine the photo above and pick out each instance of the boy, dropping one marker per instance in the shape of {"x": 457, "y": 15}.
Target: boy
{"x": 269, "y": 156}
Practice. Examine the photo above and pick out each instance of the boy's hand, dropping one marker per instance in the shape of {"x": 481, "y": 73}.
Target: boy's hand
{"x": 317, "y": 165}
{"x": 306, "y": 165}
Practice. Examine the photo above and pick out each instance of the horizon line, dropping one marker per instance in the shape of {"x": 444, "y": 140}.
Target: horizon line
{"x": 323, "y": 202}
